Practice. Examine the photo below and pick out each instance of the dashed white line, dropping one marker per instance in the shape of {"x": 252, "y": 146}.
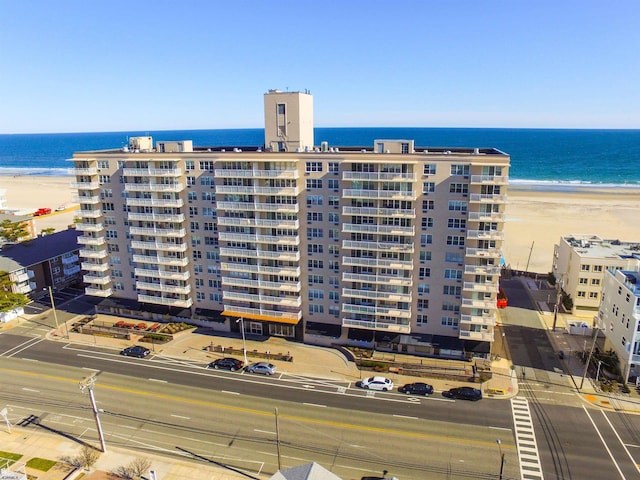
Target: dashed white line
{"x": 406, "y": 416}
{"x": 230, "y": 393}
{"x": 30, "y": 390}
{"x": 314, "y": 405}
{"x": 156, "y": 380}
{"x": 181, "y": 416}
{"x": 264, "y": 431}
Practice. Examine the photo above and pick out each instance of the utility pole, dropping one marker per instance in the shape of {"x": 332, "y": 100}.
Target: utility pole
{"x": 87, "y": 384}
{"x": 586, "y": 367}
{"x": 559, "y": 285}
{"x": 278, "y": 441}
{"x": 529, "y": 259}
{"x": 501, "y": 458}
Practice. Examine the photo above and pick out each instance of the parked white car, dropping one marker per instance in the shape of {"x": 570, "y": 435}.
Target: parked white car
{"x": 376, "y": 383}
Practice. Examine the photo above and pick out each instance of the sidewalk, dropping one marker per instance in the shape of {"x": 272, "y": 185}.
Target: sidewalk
{"x": 308, "y": 361}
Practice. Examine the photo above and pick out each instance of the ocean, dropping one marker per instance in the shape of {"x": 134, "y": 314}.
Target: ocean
{"x": 539, "y": 157}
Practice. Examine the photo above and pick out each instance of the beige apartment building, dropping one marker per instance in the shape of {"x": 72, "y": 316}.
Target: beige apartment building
{"x": 390, "y": 246}
{"x": 579, "y": 265}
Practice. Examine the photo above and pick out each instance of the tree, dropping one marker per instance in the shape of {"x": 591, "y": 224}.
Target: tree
{"x": 48, "y": 230}
{"x": 13, "y": 231}
{"x": 8, "y": 299}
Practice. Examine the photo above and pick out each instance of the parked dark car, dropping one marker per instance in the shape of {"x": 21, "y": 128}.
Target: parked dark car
{"x": 464, "y": 393}
{"x": 417, "y": 388}
{"x": 227, "y": 363}
{"x": 135, "y": 351}
{"x": 264, "y": 368}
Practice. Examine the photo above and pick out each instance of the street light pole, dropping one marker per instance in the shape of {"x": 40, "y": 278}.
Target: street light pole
{"x": 501, "y": 458}
{"x": 559, "y": 285}
{"x": 586, "y": 367}
{"x": 598, "y": 371}
{"x": 244, "y": 341}
{"x": 53, "y": 307}
{"x": 87, "y": 384}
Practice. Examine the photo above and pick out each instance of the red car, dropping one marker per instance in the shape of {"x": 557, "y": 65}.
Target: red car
{"x": 42, "y": 211}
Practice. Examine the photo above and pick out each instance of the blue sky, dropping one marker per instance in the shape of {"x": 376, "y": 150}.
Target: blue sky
{"x": 73, "y": 66}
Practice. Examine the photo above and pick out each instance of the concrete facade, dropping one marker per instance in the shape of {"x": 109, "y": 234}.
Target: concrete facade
{"x": 393, "y": 246}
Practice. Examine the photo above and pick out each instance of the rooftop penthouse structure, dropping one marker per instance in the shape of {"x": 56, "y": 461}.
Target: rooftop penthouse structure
{"x": 388, "y": 245}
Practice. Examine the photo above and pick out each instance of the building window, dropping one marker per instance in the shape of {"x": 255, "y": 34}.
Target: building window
{"x": 449, "y": 322}
{"x": 427, "y": 222}
{"x": 585, "y": 268}
{"x": 428, "y": 187}
{"x": 458, "y": 223}
{"x": 314, "y": 183}
{"x": 315, "y": 294}
{"x": 423, "y": 303}
{"x": 192, "y": 196}
{"x": 597, "y": 268}
{"x": 315, "y": 308}
{"x": 452, "y": 274}
{"x": 404, "y": 147}
{"x": 333, "y": 184}
{"x": 452, "y": 290}
{"x": 425, "y": 255}
{"x": 584, "y": 281}
{"x": 111, "y": 233}
{"x": 593, "y": 295}
{"x": 316, "y": 279}
{"x": 189, "y": 165}
{"x": 455, "y": 240}
{"x": 334, "y": 218}
{"x": 281, "y": 109}
{"x": 428, "y": 205}
{"x": 459, "y": 188}
{"x": 334, "y": 167}
{"x": 424, "y": 272}
{"x": 334, "y": 201}
{"x": 459, "y": 169}
{"x": 429, "y": 168}
{"x": 314, "y": 216}
{"x": 313, "y": 167}
{"x": 582, "y": 294}
{"x": 315, "y": 248}
{"x": 334, "y": 311}
{"x": 314, "y": 233}
{"x": 457, "y": 206}
{"x": 314, "y": 200}
{"x": 421, "y": 319}
{"x": 313, "y": 263}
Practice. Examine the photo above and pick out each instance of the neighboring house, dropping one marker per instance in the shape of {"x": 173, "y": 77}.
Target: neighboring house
{"x": 619, "y": 317}
{"x": 579, "y": 265}
{"x": 51, "y": 260}
{"x": 27, "y": 220}
{"x": 388, "y": 246}
{"x": 308, "y": 471}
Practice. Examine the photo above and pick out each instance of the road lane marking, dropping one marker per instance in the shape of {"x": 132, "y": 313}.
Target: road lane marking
{"x": 157, "y": 380}
{"x": 264, "y": 431}
{"x": 30, "y": 390}
{"x": 230, "y": 392}
{"x": 314, "y": 405}
{"x": 528, "y": 456}
{"x": 181, "y": 416}
{"x": 406, "y": 416}
{"x": 620, "y": 440}
{"x": 501, "y": 428}
{"x": 604, "y": 443}
{"x": 23, "y": 346}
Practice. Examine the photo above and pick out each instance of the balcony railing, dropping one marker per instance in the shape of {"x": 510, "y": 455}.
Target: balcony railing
{"x": 90, "y": 213}
{"x": 84, "y": 171}
{"x": 257, "y": 190}
{"x": 476, "y": 303}
{"x": 481, "y": 336}
{"x": 295, "y": 302}
{"x": 380, "y": 212}
{"x": 258, "y": 222}
{"x": 489, "y": 179}
{"x": 480, "y": 287}
{"x": 161, "y": 287}
{"x": 259, "y": 207}
{"x": 98, "y": 292}
{"x": 85, "y": 185}
{"x": 374, "y": 325}
{"x": 246, "y": 253}
{"x": 159, "y": 260}
{"x": 379, "y": 194}
{"x": 100, "y": 280}
{"x": 89, "y": 227}
{"x": 378, "y": 246}
{"x": 173, "y": 302}
{"x": 381, "y": 279}
{"x": 97, "y": 254}
{"x": 84, "y": 240}
{"x": 169, "y": 247}
{"x": 378, "y": 229}
{"x": 154, "y": 187}
{"x": 485, "y": 234}
{"x": 155, "y": 202}
{"x": 156, "y": 217}
{"x": 158, "y": 232}
{"x": 487, "y": 198}
{"x": 152, "y": 172}
{"x": 380, "y": 176}
{"x": 478, "y": 319}
{"x": 164, "y": 274}
{"x": 487, "y": 216}
{"x": 240, "y": 311}
{"x": 65, "y": 261}
{"x": 367, "y": 310}
{"x": 228, "y": 173}
{"x": 95, "y": 267}
{"x": 377, "y": 262}
{"x": 388, "y": 296}
{"x": 279, "y": 286}
{"x": 87, "y": 199}
{"x": 483, "y": 252}
{"x": 241, "y": 267}
{"x": 482, "y": 269}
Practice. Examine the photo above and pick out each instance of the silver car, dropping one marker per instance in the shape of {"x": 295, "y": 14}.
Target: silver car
{"x": 376, "y": 383}
{"x": 264, "y": 368}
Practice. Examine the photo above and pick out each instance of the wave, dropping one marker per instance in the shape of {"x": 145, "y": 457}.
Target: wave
{"x": 34, "y": 172}
{"x": 566, "y": 185}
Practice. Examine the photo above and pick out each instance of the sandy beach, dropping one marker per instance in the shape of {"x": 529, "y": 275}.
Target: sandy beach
{"x": 535, "y": 217}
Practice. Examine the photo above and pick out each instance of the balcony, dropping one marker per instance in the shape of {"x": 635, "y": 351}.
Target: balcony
{"x": 155, "y": 202}
{"x": 379, "y": 194}
{"x": 85, "y": 185}
{"x": 380, "y": 212}
{"x": 257, "y": 190}
{"x": 253, "y": 238}
{"x": 98, "y": 292}
{"x": 158, "y": 232}
{"x": 481, "y": 336}
{"x": 89, "y": 227}
{"x": 246, "y": 253}
{"x": 378, "y": 246}
{"x": 483, "y": 252}
{"x": 90, "y": 213}
{"x": 259, "y": 207}
{"x": 258, "y": 222}
{"x": 24, "y": 289}
{"x": 381, "y": 279}
{"x": 95, "y": 267}
{"x": 487, "y": 216}
{"x": 380, "y": 176}
{"x": 66, "y": 261}
{"x": 96, "y": 279}
{"x": 87, "y": 199}
{"x": 294, "y": 302}
{"x": 489, "y": 179}
{"x": 156, "y": 217}
{"x": 485, "y": 234}
{"x": 154, "y": 187}
{"x": 477, "y": 303}
{"x": 482, "y": 269}
{"x": 279, "y": 286}
{"x": 159, "y": 260}
{"x": 71, "y": 270}
{"x": 488, "y": 320}
{"x": 286, "y": 317}
{"x": 487, "y": 198}
{"x": 374, "y": 325}
{"x": 161, "y": 287}
{"x": 84, "y": 171}
{"x": 164, "y": 274}
{"x": 97, "y": 254}
{"x": 152, "y": 172}
{"x": 242, "y": 267}
{"x": 377, "y": 262}
{"x": 20, "y": 277}
{"x": 226, "y": 173}
{"x": 376, "y": 295}
{"x": 480, "y": 287}
{"x": 378, "y": 229}
{"x": 169, "y": 247}
{"x": 378, "y": 311}
{"x": 84, "y": 240}
{"x": 171, "y": 302}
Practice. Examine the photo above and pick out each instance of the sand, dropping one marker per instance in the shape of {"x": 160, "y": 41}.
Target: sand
{"x": 25, "y": 194}
{"x": 535, "y": 217}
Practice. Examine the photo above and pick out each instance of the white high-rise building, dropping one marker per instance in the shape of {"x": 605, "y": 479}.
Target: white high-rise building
{"x": 391, "y": 243}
